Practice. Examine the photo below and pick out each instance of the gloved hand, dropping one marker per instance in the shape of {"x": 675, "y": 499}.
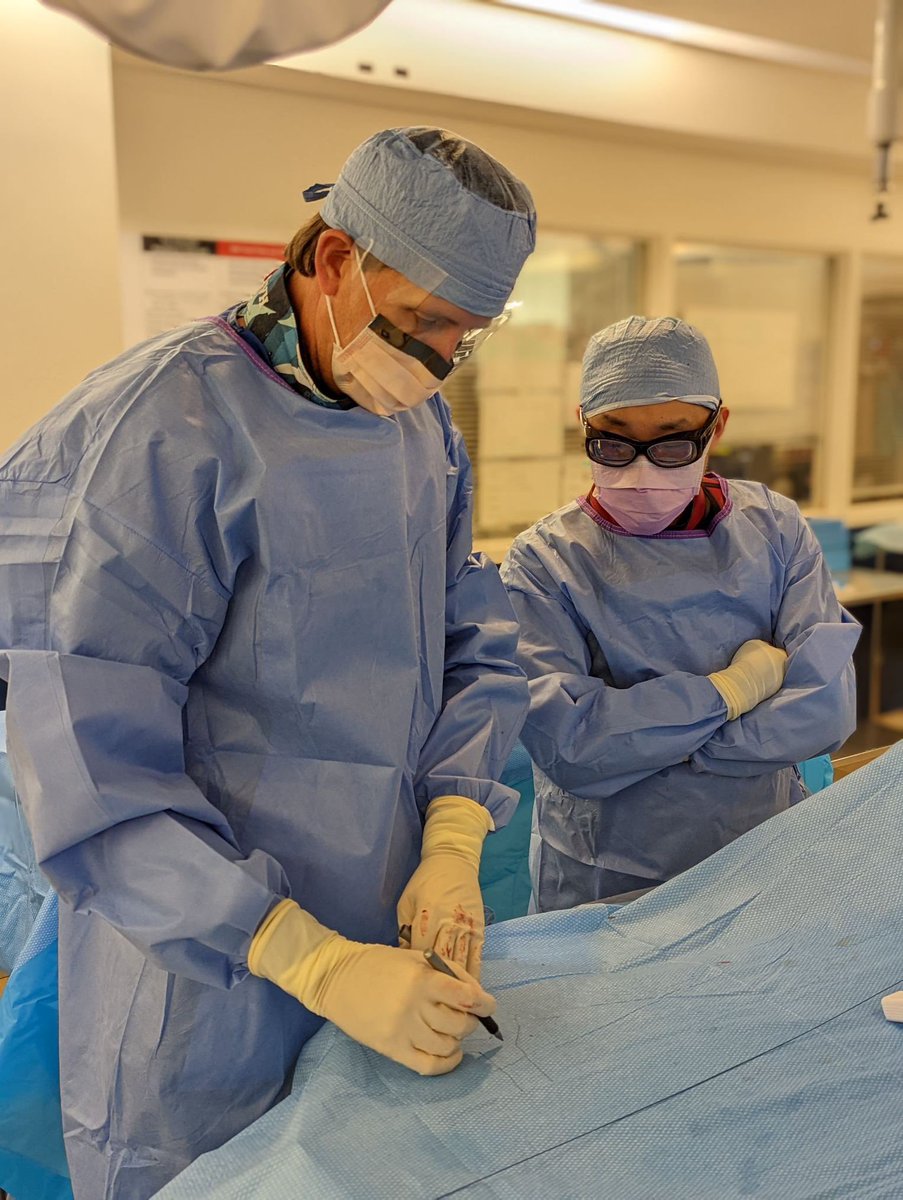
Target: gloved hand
{"x": 755, "y": 673}
{"x": 382, "y": 996}
{"x": 442, "y": 902}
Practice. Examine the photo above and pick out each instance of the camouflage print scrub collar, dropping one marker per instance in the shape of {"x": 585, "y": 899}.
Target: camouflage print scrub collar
{"x": 269, "y": 317}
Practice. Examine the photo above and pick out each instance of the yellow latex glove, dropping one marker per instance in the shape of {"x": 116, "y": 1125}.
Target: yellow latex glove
{"x": 756, "y": 672}
{"x": 381, "y": 996}
{"x": 442, "y": 903}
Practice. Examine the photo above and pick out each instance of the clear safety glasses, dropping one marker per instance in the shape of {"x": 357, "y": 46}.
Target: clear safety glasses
{"x": 475, "y": 338}
{"x": 437, "y": 366}
{"x": 668, "y": 451}
{"x": 404, "y": 303}
{"x": 472, "y": 340}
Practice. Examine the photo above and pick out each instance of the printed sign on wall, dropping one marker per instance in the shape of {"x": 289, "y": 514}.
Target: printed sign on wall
{"x": 169, "y": 281}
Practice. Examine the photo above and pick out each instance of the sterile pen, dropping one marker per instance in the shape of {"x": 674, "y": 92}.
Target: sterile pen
{"x": 439, "y": 964}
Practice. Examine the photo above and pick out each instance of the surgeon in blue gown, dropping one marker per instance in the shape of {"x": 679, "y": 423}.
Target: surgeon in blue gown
{"x": 680, "y": 631}
{"x": 260, "y": 688}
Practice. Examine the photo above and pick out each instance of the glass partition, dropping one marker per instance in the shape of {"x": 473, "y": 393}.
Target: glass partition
{"x": 878, "y": 461}
{"x": 765, "y": 314}
{"x": 515, "y": 402}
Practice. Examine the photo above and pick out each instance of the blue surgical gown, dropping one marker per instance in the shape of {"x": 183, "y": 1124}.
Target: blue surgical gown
{"x": 247, "y": 643}
{"x": 22, "y": 887}
{"x": 638, "y": 770}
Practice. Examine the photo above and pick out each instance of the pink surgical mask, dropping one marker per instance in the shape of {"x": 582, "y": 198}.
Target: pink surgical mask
{"x": 644, "y": 499}
{"x": 379, "y": 377}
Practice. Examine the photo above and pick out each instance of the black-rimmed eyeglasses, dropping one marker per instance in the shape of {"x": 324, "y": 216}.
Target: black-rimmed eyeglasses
{"x": 669, "y": 451}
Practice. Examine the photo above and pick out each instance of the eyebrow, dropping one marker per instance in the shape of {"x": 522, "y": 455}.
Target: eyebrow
{"x": 464, "y": 322}
{"x": 679, "y": 424}
{"x": 419, "y": 310}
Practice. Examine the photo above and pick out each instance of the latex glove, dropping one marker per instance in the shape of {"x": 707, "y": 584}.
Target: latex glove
{"x": 442, "y": 902}
{"x": 382, "y": 996}
{"x": 755, "y": 673}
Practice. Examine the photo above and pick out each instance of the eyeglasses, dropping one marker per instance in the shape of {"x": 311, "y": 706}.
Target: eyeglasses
{"x": 475, "y": 338}
{"x": 439, "y": 367}
{"x": 431, "y": 359}
{"x": 670, "y": 451}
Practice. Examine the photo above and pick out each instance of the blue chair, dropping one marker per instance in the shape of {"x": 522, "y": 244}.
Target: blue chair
{"x": 834, "y": 539}
{"x": 817, "y": 773}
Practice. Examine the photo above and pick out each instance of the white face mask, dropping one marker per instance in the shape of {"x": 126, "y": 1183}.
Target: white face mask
{"x": 378, "y": 376}
{"x": 644, "y": 499}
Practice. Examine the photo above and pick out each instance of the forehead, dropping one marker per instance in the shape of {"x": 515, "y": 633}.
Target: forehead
{"x": 394, "y": 288}
{"x": 669, "y": 414}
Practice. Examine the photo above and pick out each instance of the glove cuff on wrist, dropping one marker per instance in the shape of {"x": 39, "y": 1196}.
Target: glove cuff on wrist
{"x": 293, "y": 950}
{"x": 724, "y": 686}
{"x": 456, "y": 825}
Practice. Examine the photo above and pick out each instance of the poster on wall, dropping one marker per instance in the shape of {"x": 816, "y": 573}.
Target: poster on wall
{"x": 169, "y": 281}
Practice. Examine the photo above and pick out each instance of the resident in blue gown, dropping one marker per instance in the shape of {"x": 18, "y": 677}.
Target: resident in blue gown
{"x": 680, "y": 631}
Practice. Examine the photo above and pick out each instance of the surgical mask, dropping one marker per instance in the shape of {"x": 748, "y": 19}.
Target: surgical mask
{"x": 645, "y": 499}
{"x": 377, "y": 375}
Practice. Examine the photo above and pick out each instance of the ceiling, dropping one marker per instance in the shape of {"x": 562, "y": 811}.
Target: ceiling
{"x": 837, "y": 26}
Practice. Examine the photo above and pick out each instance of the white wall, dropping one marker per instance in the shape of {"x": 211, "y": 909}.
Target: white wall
{"x": 228, "y": 158}
{"x": 197, "y": 153}
{"x": 468, "y": 49}
{"x": 59, "y": 300}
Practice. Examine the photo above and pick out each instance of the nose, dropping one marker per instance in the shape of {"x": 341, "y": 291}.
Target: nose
{"x": 445, "y": 343}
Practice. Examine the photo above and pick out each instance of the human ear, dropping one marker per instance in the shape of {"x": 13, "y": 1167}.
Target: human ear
{"x": 331, "y": 258}
{"x": 719, "y": 427}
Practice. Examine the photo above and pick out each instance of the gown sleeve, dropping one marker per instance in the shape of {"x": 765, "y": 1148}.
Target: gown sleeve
{"x": 101, "y": 627}
{"x": 484, "y": 697}
{"x": 590, "y": 738}
{"x": 815, "y": 710}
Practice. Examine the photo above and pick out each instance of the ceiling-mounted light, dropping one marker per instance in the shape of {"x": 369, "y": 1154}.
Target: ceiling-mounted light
{"x": 689, "y": 33}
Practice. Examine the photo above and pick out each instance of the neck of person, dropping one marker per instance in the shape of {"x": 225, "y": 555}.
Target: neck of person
{"x": 306, "y": 298}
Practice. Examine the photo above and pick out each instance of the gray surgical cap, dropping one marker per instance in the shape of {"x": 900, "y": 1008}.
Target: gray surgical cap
{"x": 643, "y": 361}
{"x": 439, "y": 210}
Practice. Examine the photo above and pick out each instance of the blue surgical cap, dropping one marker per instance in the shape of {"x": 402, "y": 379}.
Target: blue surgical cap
{"x": 439, "y": 210}
{"x": 643, "y": 361}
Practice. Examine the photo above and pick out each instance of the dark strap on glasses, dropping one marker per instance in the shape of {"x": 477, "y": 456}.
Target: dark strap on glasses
{"x": 433, "y": 361}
